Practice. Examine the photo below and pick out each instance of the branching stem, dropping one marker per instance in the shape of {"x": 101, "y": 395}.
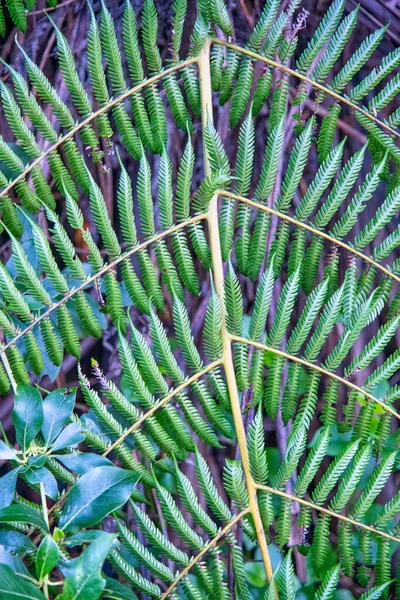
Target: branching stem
{"x": 313, "y": 83}
{"x": 326, "y": 511}
{"x": 162, "y": 403}
{"x": 312, "y": 230}
{"x": 309, "y": 365}
{"x": 99, "y": 273}
{"x": 218, "y": 273}
{"x": 204, "y": 551}
{"x": 104, "y": 109}
{"x": 8, "y": 370}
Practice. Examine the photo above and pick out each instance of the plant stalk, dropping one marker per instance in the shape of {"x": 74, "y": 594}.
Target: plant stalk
{"x": 213, "y": 224}
{"x": 326, "y": 511}
{"x": 312, "y": 230}
{"x": 321, "y": 370}
{"x": 315, "y": 84}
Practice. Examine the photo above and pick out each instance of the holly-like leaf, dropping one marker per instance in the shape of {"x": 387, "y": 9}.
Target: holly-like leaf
{"x": 7, "y": 453}
{"x": 82, "y": 463}
{"x": 46, "y": 557}
{"x": 15, "y": 587}
{"x": 16, "y": 542}
{"x": 44, "y": 476}
{"x": 27, "y": 414}
{"x": 69, "y": 436}
{"x": 19, "y": 513}
{"x": 57, "y": 408}
{"x": 84, "y": 537}
{"x": 7, "y": 487}
{"x": 84, "y": 580}
{"x": 94, "y": 496}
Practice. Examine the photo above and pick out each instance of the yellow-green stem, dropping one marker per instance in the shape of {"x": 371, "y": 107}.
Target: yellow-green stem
{"x": 308, "y": 365}
{"x": 312, "y": 230}
{"x": 46, "y": 518}
{"x": 94, "y": 115}
{"x": 9, "y": 372}
{"x": 206, "y": 112}
{"x": 162, "y": 403}
{"x": 204, "y": 551}
{"x": 326, "y": 511}
{"x": 98, "y": 274}
{"x": 306, "y": 79}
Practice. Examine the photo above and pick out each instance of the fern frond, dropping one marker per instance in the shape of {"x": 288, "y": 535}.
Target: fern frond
{"x": 374, "y": 486}
{"x": 322, "y": 35}
{"x": 257, "y": 451}
{"x": 332, "y": 474}
{"x": 358, "y": 59}
{"x": 312, "y": 463}
{"x": 135, "y": 547}
{"x": 234, "y": 484}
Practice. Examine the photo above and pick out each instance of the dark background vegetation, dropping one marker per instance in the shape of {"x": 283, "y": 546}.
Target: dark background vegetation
{"x": 72, "y": 17}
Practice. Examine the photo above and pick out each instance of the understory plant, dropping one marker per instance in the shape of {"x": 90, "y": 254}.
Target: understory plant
{"x": 244, "y": 443}
{"x": 17, "y": 12}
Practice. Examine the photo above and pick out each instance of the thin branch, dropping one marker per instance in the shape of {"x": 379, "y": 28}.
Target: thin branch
{"x": 309, "y": 365}
{"x": 331, "y": 513}
{"x": 94, "y": 115}
{"x": 9, "y": 372}
{"x": 99, "y": 273}
{"x": 315, "y": 84}
{"x": 48, "y": 9}
{"x": 162, "y": 402}
{"x": 206, "y": 548}
{"x": 312, "y": 230}
{"x": 218, "y": 272}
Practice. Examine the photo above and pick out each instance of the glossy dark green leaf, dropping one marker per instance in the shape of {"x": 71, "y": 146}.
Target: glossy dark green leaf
{"x": 69, "y": 436}
{"x": 13, "y": 561}
{"x": 42, "y": 475}
{"x": 16, "y": 542}
{"x": 15, "y": 587}
{"x": 6, "y": 453}
{"x": 83, "y": 579}
{"x": 57, "y": 408}
{"x": 37, "y": 461}
{"x": 27, "y": 414}
{"x": 116, "y": 590}
{"x": 18, "y": 513}
{"x": 46, "y": 557}
{"x": 84, "y": 537}
{"x": 7, "y": 487}
{"x": 94, "y": 496}
{"x": 82, "y": 463}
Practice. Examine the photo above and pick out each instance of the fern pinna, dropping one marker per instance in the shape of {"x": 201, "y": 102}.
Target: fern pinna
{"x": 236, "y": 299}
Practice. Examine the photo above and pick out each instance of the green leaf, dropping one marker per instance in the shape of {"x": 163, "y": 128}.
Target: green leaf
{"x": 94, "y": 496}
{"x": 46, "y": 557}
{"x": 36, "y": 476}
{"x": 18, "y": 513}
{"x": 71, "y": 435}
{"x": 7, "y": 453}
{"x": 57, "y": 408}
{"x": 15, "y": 587}
{"x": 83, "y": 580}
{"x": 16, "y": 542}
{"x": 81, "y": 463}
{"x": 27, "y": 414}
{"x": 7, "y": 487}
{"x": 88, "y": 536}
{"x": 115, "y": 590}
